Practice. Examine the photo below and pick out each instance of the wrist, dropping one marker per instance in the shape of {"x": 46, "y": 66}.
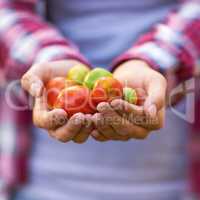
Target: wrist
{"x": 131, "y": 64}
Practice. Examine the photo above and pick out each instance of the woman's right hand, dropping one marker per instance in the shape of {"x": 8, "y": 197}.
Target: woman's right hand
{"x": 56, "y": 122}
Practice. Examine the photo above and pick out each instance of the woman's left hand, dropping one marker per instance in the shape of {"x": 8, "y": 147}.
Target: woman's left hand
{"x": 121, "y": 120}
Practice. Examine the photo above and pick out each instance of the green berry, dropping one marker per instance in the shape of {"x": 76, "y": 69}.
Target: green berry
{"x": 95, "y": 75}
{"x": 78, "y": 73}
{"x": 130, "y": 95}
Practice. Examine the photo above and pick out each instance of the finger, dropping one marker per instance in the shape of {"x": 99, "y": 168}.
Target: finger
{"x": 135, "y": 114}
{"x": 68, "y": 131}
{"x": 33, "y": 81}
{"x": 156, "y": 89}
{"x": 98, "y": 136}
{"x": 103, "y": 128}
{"x": 121, "y": 126}
{"x": 85, "y": 131}
{"x": 46, "y": 119}
{"x": 124, "y": 108}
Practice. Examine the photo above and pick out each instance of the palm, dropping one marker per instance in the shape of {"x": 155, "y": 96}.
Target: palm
{"x": 151, "y": 84}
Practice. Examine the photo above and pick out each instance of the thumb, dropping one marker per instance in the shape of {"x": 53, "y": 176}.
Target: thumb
{"x": 156, "y": 94}
{"x": 33, "y": 84}
{"x": 34, "y": 79}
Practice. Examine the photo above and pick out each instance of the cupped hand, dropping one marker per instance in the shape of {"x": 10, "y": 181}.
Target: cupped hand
{"x": 56, "y": 122}
{"x": 121, "y": 120}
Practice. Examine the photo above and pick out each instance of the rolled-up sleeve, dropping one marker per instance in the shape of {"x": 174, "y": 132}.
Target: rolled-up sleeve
{"x": 172, "y": 44}
{"x": 26, "y": 38}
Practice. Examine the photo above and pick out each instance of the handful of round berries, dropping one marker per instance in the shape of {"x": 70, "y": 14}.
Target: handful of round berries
{"x": 83, "y": 89}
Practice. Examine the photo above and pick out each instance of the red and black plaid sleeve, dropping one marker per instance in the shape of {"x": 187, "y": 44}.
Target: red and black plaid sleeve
{"x": 26, "y": 38}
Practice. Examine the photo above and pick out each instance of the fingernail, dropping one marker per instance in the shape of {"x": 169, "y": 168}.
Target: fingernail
{"x": 152, "y": 110}
{"x": 36, "y": 89}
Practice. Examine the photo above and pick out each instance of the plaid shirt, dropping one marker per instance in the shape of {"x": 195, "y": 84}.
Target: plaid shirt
{"x": 25, "y": 38}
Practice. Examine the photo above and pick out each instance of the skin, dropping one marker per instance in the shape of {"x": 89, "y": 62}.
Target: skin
{"x": 56, "y": 122}
{"x": 119, "y": 115}
{"x": 116, "y": 114}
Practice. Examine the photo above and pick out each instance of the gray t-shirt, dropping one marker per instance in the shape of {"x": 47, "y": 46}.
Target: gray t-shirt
{"x": 153, "y": 169}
